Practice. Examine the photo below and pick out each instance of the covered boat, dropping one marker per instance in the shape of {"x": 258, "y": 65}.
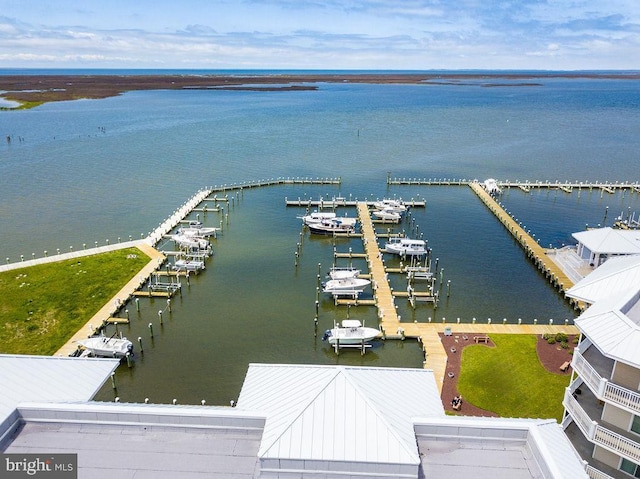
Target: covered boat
{"x": 406, "y": 247}
{"x": 351, "y": 331}
{"x": 112, "y": 347}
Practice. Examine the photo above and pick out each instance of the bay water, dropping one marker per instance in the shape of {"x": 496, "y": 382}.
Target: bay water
{"x": 76, "y": 173}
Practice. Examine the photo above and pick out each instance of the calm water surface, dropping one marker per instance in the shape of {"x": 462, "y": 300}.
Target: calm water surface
{"x": 92, "y": 170}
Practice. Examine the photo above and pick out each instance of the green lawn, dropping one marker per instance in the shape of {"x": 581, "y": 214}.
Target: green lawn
{"x": 43, "y": 306}
{"x": 509, "y": 379}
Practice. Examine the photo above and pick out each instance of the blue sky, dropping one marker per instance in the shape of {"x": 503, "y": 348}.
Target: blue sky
{"x": 321, "y": 34}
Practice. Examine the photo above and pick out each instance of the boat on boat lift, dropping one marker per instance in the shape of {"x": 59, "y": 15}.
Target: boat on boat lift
{"x": 345, "y": 286}
{"x": 387, "y": 203}
{"x": 188, "y": 241}
{"x": 104, "y": 347}
{"x": 334, "y": 225}
{"x": 197, "y": 229}
{"x": 406, "y": 247}
{"x": 387, "y": 214}
{"x": 350, "y": 332}
{"x": 343, "y": 272}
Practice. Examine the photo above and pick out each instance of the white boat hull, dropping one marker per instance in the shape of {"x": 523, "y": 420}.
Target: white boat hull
{"x": 350, "y": 333}
{"x": 107, "y": 347}
{"x": 343, "y": 273}
{"x": 346, "y": 285}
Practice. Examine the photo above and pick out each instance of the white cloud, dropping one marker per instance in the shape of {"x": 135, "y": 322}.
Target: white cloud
{"x": 383, "y": 34}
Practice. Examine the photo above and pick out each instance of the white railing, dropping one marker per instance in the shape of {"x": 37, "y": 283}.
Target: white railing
{"x": 580, "y": 417}
{"x": 599, "y": 435}
{"x": 594, "y": 473}
{"x": 587, "y": 373}
{"x": 618, "y": 443}
{"x": 622, "y": 396}
{"x": 604, "y": 389}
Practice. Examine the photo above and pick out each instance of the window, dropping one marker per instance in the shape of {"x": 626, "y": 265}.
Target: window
{"x": 635, "y": 425}
{"x": 630, "y": 468}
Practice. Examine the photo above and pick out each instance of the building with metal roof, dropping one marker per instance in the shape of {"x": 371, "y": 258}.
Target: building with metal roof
{"x": 602, "y": 403}
{"x": 597, "y": 245}
{"x": 291, "y": 421}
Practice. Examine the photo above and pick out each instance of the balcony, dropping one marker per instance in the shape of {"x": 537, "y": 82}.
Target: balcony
{"x": 604, "y": 389}
{"x": 606, "y": 438}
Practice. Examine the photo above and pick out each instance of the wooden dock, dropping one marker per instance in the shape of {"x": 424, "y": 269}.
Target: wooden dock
{"x": 381, "y": 289}
{"x": 534, "y": 251}
{"x": 335, "y": 202}
{"x": 566, "y": 186}
{"x": 109, "y": 310}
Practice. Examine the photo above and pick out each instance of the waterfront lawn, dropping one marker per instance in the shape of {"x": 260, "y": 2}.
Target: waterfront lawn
{"x": 42, "y": 306}
{"x": 510, "y": 380}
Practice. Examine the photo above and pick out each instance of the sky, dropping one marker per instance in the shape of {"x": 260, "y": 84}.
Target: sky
{"x": 321, "y": 34}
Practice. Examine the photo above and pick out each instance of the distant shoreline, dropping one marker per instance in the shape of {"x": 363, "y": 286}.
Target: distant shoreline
{"x": 32, "y": 90}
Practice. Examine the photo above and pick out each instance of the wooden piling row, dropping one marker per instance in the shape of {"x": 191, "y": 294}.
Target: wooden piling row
{"x": 534, "y": 251}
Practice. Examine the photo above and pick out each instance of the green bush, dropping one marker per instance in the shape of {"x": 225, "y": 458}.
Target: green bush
{"x": 562, "y": 338}
{"x": 551, "y": 340}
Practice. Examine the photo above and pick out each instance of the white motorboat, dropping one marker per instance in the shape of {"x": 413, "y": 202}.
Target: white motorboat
{"x": 491, "y": 185}
{"x": 102, "y": 346}
{"x": 317, "y": 217}
{"x": 343, "y": 272}
{"x": 197, "y": 229}
{"x": 388, "y": 214}
{"x": 406, "y": 247}
{"x": 194, "y": 242}
{"x": 396, "y": 205}
{"x": 188, "y": 265}
{"x": 335, "y": 225}
{"x": 351, "y": 331}
{"x": 345, "y": 286}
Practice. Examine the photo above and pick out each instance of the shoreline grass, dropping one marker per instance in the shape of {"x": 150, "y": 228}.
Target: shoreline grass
{"x": 45, "y": 305}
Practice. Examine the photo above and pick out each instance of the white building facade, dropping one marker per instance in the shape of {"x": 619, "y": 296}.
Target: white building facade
{"x": 603, "y": 399}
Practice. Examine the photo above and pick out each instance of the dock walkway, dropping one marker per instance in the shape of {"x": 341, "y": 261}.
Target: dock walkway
{"x": 534, "y": 251}
{"x": 156, "y": 258}
{"x": 381, "y": 289}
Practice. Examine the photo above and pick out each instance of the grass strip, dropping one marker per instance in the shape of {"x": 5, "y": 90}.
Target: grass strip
{"x": 44, "y": 305}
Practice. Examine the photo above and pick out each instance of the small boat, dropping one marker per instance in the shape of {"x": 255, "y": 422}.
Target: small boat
{"x": 351, "y": 331}
{"x": 188, "y": 265}
{"x": 388, "y": 214}
{"x": 491, "y": 185}
{"x": 317, "y": 217}
{"x": 345, "y": 286}
{"x": 335, "y": 225}
{"x": 343, "y": 273}
{"x": 396, "y": 205}
{"x": 112, "y": 347}
{"x": 406, "y": 247}
{"x": 187, "y": 241}
{"x": 197, "y": 229}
